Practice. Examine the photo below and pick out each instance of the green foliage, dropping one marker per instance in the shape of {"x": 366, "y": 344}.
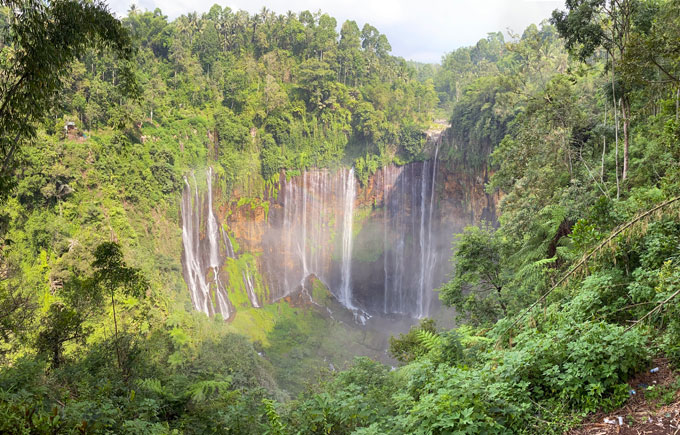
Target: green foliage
{"x": 111, "y": 272}
{"x": 231, "y": 133}
{"x": 255, "y": 96}
{"x": 429, "y": 340}
{"x": 477, "y": 289}
{"x": 412, "y": 140}
{"x": 582, "y": 365}
{"x": 409, "y": 347}
{"x": 43, "y": 39}
{"x": 365, "y": 167}
{"x": 61, "y": 325}
{"x": 477, "y": 123}
{"x": 275, "y": 425}
{"x": 351, "y": 399}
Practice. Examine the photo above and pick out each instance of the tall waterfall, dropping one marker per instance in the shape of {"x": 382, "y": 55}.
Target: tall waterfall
{"x": 393, "y": 242}
{"x": 347, "y": 220}
{"x": 309, "y": 228}
{"x": 203, "y": 257}
{"x": 208, "y": 296}
{"x": 213, "y": 237}
{"x": 428, "y": 250}
{"x": 194, "y": 273}
{"x": 314, "y": 232}
{"x": 410, "y": 253}
{"x": 375, "y": 246}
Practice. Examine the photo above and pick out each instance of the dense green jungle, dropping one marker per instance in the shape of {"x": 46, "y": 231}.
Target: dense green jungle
{"x": 550, "y": 310}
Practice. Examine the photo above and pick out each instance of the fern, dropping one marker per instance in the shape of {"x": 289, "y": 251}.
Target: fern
{"x": 153, "y": 385}
{"x": 202, "y": 390}
{"x": 275, "y": 425}
{"x": 429, "y": 339}
{"x": 640, "y": 220}
{"x": 542, "y": 232}
{"x": 534, "y": 271}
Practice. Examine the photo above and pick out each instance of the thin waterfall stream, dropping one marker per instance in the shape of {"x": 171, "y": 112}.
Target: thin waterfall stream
{"x": 347, "y": 221}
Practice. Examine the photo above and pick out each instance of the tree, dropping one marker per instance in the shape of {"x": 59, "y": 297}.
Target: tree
{"x": 412, "y": 140}
{"x": 315, "y": 79}
{"x": 16, "y": 309}
{"x": 590, "y": 24}
{"x": 231, "y": 133}
{"x": 349, "y": 50}
{"x": 44, "y": 38}
{"x": 61, "y": 325}
{"x": 368, "y": 122}
{"x": 480, "y": 119}
{"x": 274, "y": 95}
{"x": 652, "y": 60}
{"x": 112, "y": 275}
{"x": 375, "y": 45}
{"x": 150, "y": 29}
{"x": 476, "y": 289}
{"x": 78, "y": 301}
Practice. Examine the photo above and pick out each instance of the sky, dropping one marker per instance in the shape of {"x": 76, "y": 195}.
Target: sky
{"x": 420, "y": 30}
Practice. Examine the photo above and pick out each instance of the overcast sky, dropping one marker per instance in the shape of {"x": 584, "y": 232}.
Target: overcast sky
{"x": 421, "y": 30}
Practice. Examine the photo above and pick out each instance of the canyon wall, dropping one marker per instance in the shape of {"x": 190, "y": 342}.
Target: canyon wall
{"x": 381, "y": 247}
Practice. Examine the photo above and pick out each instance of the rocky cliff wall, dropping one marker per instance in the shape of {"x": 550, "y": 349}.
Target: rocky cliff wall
{"x": 403, "y": 222}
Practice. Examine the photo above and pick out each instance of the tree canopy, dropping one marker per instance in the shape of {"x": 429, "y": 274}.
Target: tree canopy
{"x": 38, "y": 48}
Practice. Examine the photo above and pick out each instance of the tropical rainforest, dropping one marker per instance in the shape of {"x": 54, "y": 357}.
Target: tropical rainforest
{"x": 550, "y": 308}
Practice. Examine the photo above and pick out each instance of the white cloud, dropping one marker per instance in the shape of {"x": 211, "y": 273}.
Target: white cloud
{"x": 423, "y": 30}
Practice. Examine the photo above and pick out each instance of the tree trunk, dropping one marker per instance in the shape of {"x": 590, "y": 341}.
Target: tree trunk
{"x": 625, "y": 112}
{"x": 500, "y": 301}
{"x": 616, "y": 154}
{"x": 616, "y": 132}
{"x": 604, "y": 144}
{"x": 115, "y": 328}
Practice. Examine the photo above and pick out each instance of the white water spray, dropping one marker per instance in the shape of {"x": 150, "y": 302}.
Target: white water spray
{"x": 347, "y": 220}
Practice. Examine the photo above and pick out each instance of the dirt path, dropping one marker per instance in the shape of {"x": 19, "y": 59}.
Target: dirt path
{"x": 653, "y": 409}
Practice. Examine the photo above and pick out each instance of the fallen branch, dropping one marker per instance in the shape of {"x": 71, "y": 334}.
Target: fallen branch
{"x": 658, "y": 307}
{"x": 585, "y": 258}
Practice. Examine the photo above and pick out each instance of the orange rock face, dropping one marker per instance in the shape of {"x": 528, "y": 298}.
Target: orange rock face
{"x": 296, "y": 229}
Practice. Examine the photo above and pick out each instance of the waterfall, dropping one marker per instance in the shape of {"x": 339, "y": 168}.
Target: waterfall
{"x": 194, "y": 276}
{"x": 287, "y": 232}
{"x": 312, "y": 233}
{"x": 385, "y": 260}
{"x": 422, "y": 241}
{"x": 431, "y": 247}
{"x": 409, "y": 250}
{"x": 213, "y": 237}
{"x": 214, "y": 250}
{"x": 213, "y": 233}
{"x": 347, "y": 220}
{"x": 196, "y": 266}
{"x": 395, "y": 227}
{"x": 250, "y": 288}
{"x": 385, "y": 288}
{"x": 303, "y": 249}
{"x": 202, "y": 258}
{"x": 428, "y": 255}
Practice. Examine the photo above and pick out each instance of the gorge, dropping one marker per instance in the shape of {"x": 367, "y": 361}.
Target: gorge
{"x": 381, "y": 248}
{"x": 257, "y": 222}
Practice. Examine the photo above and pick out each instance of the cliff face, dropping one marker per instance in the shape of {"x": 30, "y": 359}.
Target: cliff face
{"x": 403, "y": 249}
{"x": 463, "y": 198}
{"x": 380, "y": 247}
